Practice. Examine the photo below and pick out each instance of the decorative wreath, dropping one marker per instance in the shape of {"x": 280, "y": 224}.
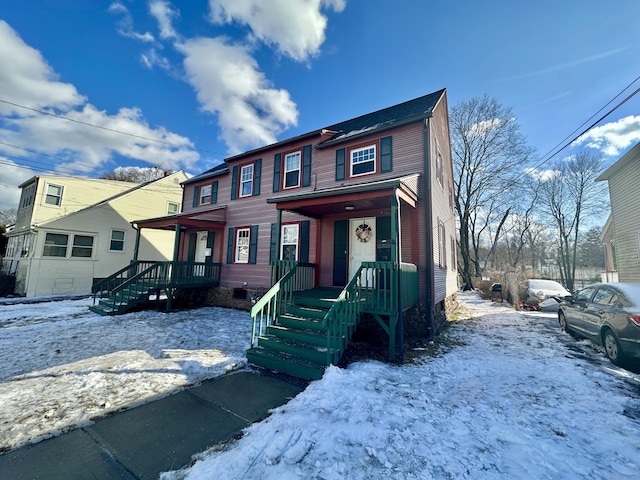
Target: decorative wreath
{"x": 363, "y": 233}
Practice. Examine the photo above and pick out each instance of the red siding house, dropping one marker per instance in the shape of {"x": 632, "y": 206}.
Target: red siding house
{"x": 320, "y": 231}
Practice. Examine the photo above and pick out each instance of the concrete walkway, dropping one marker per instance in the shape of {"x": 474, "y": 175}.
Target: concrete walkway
{"x": 156, "y": 437}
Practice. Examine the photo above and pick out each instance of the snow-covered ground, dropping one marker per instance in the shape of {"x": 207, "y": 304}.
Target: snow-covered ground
{"x": 501, "y": 395}
{"x": 62, "y": 366}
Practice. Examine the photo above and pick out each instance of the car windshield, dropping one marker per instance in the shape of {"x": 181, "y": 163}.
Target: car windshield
{"x": 545, "y": 285}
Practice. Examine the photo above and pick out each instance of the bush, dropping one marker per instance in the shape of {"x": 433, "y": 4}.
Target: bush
{"x": 7, "y": 284}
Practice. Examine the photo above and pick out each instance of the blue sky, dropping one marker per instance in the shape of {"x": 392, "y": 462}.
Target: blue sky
{"x": 189, "y": 83}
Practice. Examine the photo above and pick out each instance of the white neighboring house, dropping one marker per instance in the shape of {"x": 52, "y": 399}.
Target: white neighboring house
{"x": 621, "y": 233}
{"x": 72, "y": 231}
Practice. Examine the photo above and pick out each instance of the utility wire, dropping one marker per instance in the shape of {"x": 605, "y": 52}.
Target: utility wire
{"x": 101, "y": 127}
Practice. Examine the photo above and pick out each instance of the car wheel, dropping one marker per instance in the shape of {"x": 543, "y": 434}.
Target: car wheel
{"x": 563, "y": 322}
{"x": 612, "y": 347}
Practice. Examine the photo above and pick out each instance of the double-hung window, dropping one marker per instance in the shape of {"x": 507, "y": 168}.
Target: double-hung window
{"x": 55, "y": 245}
{"x": 82, "y": 246}
{"x": 172, "y": 208}
{"x": 54, "y": 195}
{"x": 246, "y": 181}
{"x": 292, "y": 170}
{"x": 205, "y": 195}
{"x": 116, "y": 243}
{"x": 242, "y": 245}
{"x": 362, "y": 160}
{"x": 289, "y": 248}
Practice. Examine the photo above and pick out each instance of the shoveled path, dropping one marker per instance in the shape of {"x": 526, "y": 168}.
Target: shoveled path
{"x": 156, "y": 437}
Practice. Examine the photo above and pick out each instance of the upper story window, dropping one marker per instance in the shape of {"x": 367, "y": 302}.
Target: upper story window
{"x": 246, "y": 181}
{"x": 362, "y": 160}
{"x": 292, "y": 170}
{"x": 172, "y": 208}
{"x": 205, "y": 194}
{"x": 28, "y": 194}
{"x": 116, "y": 244}
{"x": 53, "y": 195}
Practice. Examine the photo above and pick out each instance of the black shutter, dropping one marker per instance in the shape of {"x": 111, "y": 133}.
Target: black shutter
{"x": 191, "y": 253}
{"x": 210, "y": 240}
{"x": 340, "y": 164}
{"x": 234, "y": 182}
{"x": 340, "y": 247}
{"x": 386, "y": 158}
{"x": 253, "y": 244}
{"x": 303, "y": 257}
{"x": 214, "y": 192}
{"x": 306, "y": 165}
{"x": 230, "y": 243}
{"x": 273, "y": 248}
{"x": 196, "y": 192}
{"x": 277, "y": 164}
{"x": 257, "y": 175}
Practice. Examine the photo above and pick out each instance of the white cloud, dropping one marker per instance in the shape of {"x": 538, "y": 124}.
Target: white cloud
{"x": 228, "y": 83}
{"x": 613, "y": 138}
{"x": 296, "y": 28}
{"x": 125, "y": 25}
{"x": 161, "y": 10}
{"x": 26, "y": 80}
{"x": 11, "y": 175}
{"x": 542, "y": 175}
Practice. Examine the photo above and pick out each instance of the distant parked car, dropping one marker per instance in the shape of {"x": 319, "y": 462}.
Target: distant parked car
{"x": 609, "y": 314}
{"x": 542, "y": 293}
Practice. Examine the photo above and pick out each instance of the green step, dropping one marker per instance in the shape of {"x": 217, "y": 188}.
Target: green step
{"x": 324, "y": 303}
{"x": 312, "y": 337}
{"x": 291, "y": 321}
{"x": 295, "y": 348}
{"x": 306, "y": 312}
{"x": 285, "y": 363}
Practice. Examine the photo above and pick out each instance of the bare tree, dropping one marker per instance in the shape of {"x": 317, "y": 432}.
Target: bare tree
{"x": 489, "y": 154}
{"x": 570, "y": 194}
{"x": 8, "y": 216}
{"x": 135, "y": 174}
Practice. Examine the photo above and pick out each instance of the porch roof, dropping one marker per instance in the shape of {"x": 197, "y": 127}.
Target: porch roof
{"x": 203, "y": 219}
{"x": 362, "y": 196}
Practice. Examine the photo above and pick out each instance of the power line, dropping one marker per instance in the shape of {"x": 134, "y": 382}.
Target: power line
{"x": 101, "y": 127}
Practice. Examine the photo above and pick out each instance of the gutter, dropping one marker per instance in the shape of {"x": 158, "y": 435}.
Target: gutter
{"x": 429, "y": 275}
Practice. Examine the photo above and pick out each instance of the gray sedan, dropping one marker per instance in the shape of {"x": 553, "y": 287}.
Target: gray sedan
{"x": 607, "y": 313}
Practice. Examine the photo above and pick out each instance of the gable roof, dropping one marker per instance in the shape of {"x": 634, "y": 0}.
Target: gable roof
{"x": 219, "y": 169}
{"x": 390, "y": 117}
{"x": 628, "y": 157}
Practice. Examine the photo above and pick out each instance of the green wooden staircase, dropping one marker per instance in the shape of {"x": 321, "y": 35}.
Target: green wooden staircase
{"x": 126, "y": 292}
{"x": 298, "y": 343}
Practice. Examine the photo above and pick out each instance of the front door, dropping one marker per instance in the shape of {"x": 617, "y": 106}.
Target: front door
{"x": 362, "y": 246}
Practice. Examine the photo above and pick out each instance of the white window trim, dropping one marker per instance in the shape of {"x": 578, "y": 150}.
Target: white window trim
{"x": 177, "y": 208}
{"x": 360, "y": 149}
{"x": 124, "y": 239}
{"x": 299, "y": 170}
{"x": 205, "y": 198}
{"x": 236, "y": 256}
{"x": 59, "y": 197}
{"x": 297, "y": 244}
{"x": 242, "y": 181}
{"x": 73, "y": 245}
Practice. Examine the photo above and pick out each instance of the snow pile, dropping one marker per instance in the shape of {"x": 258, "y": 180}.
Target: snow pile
{"x": 62, "y": 366}
{"x": 504, "y": 400}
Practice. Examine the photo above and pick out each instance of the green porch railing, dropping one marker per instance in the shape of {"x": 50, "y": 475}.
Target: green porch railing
{"x": 274, "y": 302}
{"x": 196, "y": 274}
{"x": 120, "y": 276}
{"x": 303, "y": 279}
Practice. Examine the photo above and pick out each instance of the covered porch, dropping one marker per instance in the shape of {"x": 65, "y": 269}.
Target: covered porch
{"x": 360, "y": 269}
{"x": 196, "y": 263}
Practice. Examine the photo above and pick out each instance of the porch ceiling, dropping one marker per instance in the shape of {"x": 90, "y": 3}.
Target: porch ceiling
{"x": 367, "y": 196}
{"x": 204, "y": 220}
